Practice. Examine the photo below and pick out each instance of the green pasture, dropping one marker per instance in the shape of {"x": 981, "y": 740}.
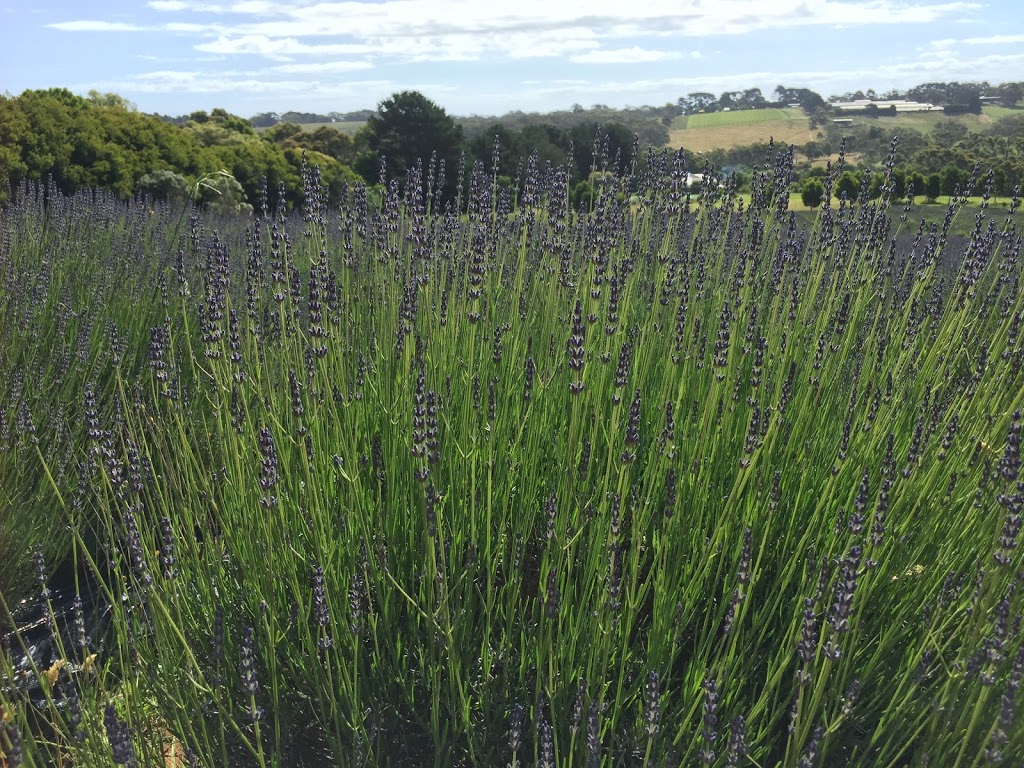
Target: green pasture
{"x": 743, "y": 117}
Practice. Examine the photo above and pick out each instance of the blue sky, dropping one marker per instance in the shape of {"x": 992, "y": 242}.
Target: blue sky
{"x": 491, "y": 56}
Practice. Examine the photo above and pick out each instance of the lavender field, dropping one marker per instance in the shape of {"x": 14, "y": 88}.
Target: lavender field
{"x": 669, "y": 480}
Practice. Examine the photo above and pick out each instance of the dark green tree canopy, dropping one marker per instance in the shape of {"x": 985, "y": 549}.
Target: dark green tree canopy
{"x": 848, "y": 186}
{"x": 697, "y": 101}
{"x": 408, "y": 128}
{"x": 813, "y": 193}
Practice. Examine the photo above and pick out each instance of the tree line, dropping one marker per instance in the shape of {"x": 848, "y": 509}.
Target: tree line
{"x": 955, "y": 97}
{"x": 219, "y": 159}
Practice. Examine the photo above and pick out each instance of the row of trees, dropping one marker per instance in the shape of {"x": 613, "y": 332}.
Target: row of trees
{"x": 850, "y": 184}
{"x": 956, "y": 97}
{"x": 751, "y": 98}
{"x": 270, "y": 119}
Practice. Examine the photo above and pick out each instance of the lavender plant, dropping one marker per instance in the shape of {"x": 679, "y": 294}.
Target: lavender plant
{"x": 665, "y": 480}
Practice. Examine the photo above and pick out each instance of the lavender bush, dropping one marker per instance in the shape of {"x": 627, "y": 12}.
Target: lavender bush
{"x": 665, "y": 480}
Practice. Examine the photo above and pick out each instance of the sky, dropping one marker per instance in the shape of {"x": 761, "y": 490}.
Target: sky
{"x": 489, "y": 57}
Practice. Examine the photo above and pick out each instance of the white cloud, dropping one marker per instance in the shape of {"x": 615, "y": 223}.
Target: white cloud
{"x": 309, "y": 44}
{"x": 194, "y": 81}
{"x": 253, "y": 7}
{"x": 459, "y": 30}
{"x": 168, "y": 5}
{"x": 995, "y": 40}
{"x": 323, "y": 67}
{"x": 946, "y": 67}
{"x": 401, "y": 18}
{"x": 96, "y": 26}
{"x": 263, "y": 45}
{"x": 182, "y": 26}
{"x": 256, "y": 8}
{"x": 634, "y": 55}
{"x": 949, "y": 43}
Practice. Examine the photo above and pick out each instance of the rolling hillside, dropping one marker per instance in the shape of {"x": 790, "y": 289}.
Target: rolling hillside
{"x": 724, "y": 130}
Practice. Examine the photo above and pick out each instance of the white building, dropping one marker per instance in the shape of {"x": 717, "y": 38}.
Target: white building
{"x": 886, "y": 105}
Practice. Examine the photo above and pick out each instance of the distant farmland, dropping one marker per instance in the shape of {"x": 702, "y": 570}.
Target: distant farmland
{"x": 722, "y": 130}
{"x": 743, "y": 117}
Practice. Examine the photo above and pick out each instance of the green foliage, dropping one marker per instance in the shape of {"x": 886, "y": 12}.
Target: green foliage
{"x": 813, "y": 193}
{"x": 324, "y": 140}
{"x": 164, "y": 185}
{"x": 875, "y": 187}
{"x": 232, "y": 123}
{"x": 282, "y": 132}
{"x": 89, "y": 143}
{"x": 304, "y": 118}
{"x": 815, "y": 149}
{"x": 848, "y": 186}
{"x": 343, "y": 512}
{"x": 918, "y": 182}
{"x": 111, "y": 101}
{"x": 647, "y": 123}
{"x": 103, "y": 142}
{"x": 746, "y": 156}
{"x": 598, "y": 147}
{"x": 897, "y": 180}
{"x": 699, "y": 101}
{"x": 949, "y": 132}
{"x": 334, "y": 176}
{"x": 808, "y": 100}
{"x": 264, "y": 120}
{"x": 13, "y": 126}
{"x": 954, "y": 179}
{"x": 408, "y": 129}
{"x": 1011, "y": 94}
{"x": 966, "y": 96}
{"x": 221, "y": 193}
{"x": 548, "y": 144}
{"x": 210, "y": 133}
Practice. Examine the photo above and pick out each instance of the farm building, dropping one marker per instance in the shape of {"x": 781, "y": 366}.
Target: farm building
{"x": 900, "y": 105}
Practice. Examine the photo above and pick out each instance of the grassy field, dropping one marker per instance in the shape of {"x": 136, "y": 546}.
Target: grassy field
{"x": 743, "y": 117}
{"x": 789, "y": 130}
{"x": 930, "y": 213}
{"x": 385, "y": 485}
{"x": 995, "y": 111}
{"x": 723, "y": 130}
{"x": 926, "y": 121}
